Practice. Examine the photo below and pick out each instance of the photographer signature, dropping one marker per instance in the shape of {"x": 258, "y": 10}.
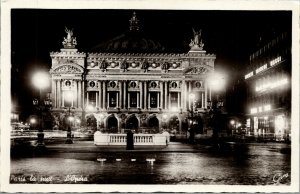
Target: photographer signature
{"x": 279, "y": 177}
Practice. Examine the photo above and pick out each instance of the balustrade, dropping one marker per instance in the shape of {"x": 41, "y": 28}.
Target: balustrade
{"x": 120, "y": 139}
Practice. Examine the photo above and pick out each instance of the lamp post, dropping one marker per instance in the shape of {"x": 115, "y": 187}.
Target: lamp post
{"x": 233, "y": 124}
{"x": 217, "y": 84}
{"x": 215, "y": 112}
{"x": 41, "y": 81}
{"x": 70, "y": 118}
{"x": 69, "y": 130}
{"x": 192, "y": 119}
{"x": 69, "y": 97}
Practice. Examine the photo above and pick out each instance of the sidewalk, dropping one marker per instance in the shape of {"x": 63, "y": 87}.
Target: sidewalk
{"x": 88, "y": 146}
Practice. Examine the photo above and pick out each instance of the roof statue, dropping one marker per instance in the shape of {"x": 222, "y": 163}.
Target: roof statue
{"x": 134, "y": 23}
{"x": 69, "y": 41}
{"x": 196, "y": 43}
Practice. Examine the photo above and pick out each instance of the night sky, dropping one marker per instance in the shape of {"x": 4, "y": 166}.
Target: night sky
{"x": 231, "y": 35}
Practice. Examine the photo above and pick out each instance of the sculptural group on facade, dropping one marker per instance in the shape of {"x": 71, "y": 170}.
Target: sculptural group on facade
{"x": 165, "y": 66}
{"x": 196, "y": 42}
{"x": 124, "y": 65}
{"x": 69, "y": 41}
{"x": 145, "y": 66}
{"x": 103, "y": 65}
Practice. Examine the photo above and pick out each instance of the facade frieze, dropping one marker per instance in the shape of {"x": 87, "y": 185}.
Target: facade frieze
{"x": 70, "y": 68}
{"x": 65, "y": 61}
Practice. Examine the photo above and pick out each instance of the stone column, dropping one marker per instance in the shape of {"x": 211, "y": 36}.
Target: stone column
{"x": 100, "y": 95}
{"x": 107, "y": 100}
{"x": 83, "y": 95}
{"x": 141, "y": 94}
{"x": 58, "y": 93}
{"x": 138, "y": 100}
{"x": 158, "y": 100}
{"x": 121, "y": 94}
{"x": 169, "y": 101}
{"x": 104, "y": 95}
{"x": 202, "y": 100}
{"x": 63, "y": 99}
{"x": 79, "y": 93}
{"x": 182, "y": 96}
{"x": 166, "y": 94}
{"x": 178, "y": 99}
{"x": 128, "y": 99}
{"x": 205, "y": 95}
{"x": 124, "y": 94}
{"x": 72, "y": 105}
{"x": 117, "y": 101}
{"x": 96, "y": 99}
{"x": 161, "y": 95}
{"x": 145, "y": 94}
{"x": 185, "y": 99}
{"x": 75, "y": 99}
{"x": 53, "y": 86}
{"x": 148, "y": 100}
{"x": 190, "y": 91}
{"x": 54, "y": 89}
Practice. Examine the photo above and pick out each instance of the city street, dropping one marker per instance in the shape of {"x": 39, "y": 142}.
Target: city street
{"x": 82, "y": 162}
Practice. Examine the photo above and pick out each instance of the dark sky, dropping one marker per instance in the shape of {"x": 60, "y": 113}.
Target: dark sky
{"x": 231, "y": 35}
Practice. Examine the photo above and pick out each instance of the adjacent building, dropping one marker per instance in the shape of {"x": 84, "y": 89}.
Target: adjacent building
{"x": 268, "y": 81}
{"x": 130, "y": 83}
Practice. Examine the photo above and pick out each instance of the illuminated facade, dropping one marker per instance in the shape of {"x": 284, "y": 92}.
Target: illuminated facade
{"x": 268, "y": 82}
{"x": 139, "y": 88}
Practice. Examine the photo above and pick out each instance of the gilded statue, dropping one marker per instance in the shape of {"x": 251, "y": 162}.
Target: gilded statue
{"x": 69, "y": 41}
{"x": 196, "y": 42}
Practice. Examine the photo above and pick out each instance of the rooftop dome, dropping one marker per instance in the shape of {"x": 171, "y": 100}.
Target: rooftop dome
{"x": 131, "y": 41}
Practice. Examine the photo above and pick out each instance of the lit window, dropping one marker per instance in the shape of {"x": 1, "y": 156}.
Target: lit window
{"x": 133, "y": 99}
{"x": 275, "y": 61}
{"x": 249, "y": 75}
{"x": 260, "y": 109}
{"x": 261, "y": 68}
{"x": 174, "y": 99}
{"x": 153, "y": 100}
{"x": 271, "y": 85}
{"x": 112, "y": 99}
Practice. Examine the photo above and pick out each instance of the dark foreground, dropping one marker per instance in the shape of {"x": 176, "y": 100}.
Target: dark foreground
{"x": 84, "y": 163}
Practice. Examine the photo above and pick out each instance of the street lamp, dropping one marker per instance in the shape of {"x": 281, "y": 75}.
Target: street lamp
{"x": 192, "y": 119}
{"x": 69, "y": 97}
{"x": 32, "y": 122}
{"x": 216, "y": 83}
{"x": 233, "y": 123}
{"x": 41, "y": 81}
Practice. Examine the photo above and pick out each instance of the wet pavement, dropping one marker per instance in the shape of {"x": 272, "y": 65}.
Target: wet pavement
{"x": 250, "y": 164}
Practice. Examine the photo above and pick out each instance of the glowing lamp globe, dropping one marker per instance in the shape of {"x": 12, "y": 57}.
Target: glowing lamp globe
{"x": 41, "y": 80}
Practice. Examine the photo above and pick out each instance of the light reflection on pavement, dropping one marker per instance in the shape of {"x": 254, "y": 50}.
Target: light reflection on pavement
{"x": 258, "y": 166}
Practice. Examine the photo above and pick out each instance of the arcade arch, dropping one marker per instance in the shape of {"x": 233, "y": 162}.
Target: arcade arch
{"x": 153, "y": 124}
